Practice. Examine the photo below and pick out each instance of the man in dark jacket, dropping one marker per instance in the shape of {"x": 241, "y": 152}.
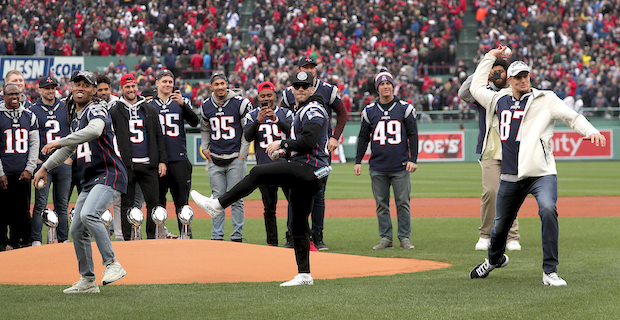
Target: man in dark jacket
{"x": 141, "y": 144}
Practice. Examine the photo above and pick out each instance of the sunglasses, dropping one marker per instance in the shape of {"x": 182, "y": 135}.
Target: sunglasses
{"x": 301, "y": 85}
{"x": 12, "y": 94}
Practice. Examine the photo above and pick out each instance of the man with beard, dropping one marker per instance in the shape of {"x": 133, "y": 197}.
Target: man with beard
{"x": 491, "y": 166}
{"x": 225, "y": 148}
{"x": 141, "y": 144}
{"x": 304, "y": 174}
{"x": 101, "y": 173}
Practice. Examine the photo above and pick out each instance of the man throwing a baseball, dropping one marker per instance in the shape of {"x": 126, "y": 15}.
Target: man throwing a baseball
{"x": 526, "y": 120}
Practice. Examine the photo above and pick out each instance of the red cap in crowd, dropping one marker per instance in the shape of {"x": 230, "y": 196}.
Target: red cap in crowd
{"x": 266, "y": 85}
{"x": 128, "y": 78}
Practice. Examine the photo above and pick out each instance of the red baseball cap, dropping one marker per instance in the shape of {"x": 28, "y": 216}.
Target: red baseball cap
{"x": 128, "y": 78}
{"x": 266, "y": 85}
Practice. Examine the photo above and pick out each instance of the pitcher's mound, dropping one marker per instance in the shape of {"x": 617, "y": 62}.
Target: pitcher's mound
{"x": 189, "y": 261}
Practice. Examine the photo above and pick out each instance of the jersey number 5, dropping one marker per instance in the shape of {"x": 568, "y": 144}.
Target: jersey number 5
{"x": 134, "y": 126}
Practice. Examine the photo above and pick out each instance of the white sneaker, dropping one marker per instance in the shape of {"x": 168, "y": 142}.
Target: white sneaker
{"x": 66, "y": 241}
{"x": 513, "y": 245}
{"x": 405, "y": 243}
{"x": 113, "y": 272}
{"x": 36, "y": 243}
{"x": 483, "y": 244}
{"x": 83, "y": 286}
{"x": 552, "y": 279}
{"x": 299, "y": 280}
{"x": 205, "y": 203}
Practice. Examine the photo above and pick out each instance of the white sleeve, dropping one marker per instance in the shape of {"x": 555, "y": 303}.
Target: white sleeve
{"x": 478, "y": 89}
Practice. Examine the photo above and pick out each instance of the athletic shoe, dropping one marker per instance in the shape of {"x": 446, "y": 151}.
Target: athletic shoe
{"x": 552, "y": 279}
{"x": 36, "y": 243}
{"x": 384, "y": 244}
{"x": 83, "y": 286}
{"x": 205, "y": 203}
{"x": 299, "y": 280}
{"x": 482, "y": 270}
{"x": 405, "y": 243}
{"x": 513, "y": 245}
{"x": 236, "y": 240}
{"x": 66, "y": 241}
{"x": 289, "y": 241}
{"x": 113, "y": 272}
{"x": 9, "y": 247}
{"x": 483, "y": 244}
{"x": 321, "y": 246}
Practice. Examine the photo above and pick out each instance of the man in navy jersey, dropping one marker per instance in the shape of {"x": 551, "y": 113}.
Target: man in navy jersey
{"x": 19, "y": 145}
{"x": 101, "y": 173}
{"x": 390, "y": 125}
{"x": 174, "y": 109}
{"x": 53, "y": 120}
{"x": 491, "y": 166}
{"x": 225, "y": 148}
{"x": 332, "y": 103}
{"x": 17, "y": 78}
{"x": 306, "y": 152}
{"x": 143, "y": 150}
{"x": 265, "y": 125}
{"x": 526, "y": 120}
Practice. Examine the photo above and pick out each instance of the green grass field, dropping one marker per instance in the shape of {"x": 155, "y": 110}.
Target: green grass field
{"x": 588, "y": 255}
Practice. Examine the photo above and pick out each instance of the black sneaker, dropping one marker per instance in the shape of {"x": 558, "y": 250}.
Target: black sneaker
{"x": 236, "y": 240}
{"x": 289, "y": 241}
{"x": 320, "y": 246}
{"x": 482, "y": 270}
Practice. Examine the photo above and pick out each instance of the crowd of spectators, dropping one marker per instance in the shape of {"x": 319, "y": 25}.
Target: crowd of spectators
{"x": 572, "y": 46}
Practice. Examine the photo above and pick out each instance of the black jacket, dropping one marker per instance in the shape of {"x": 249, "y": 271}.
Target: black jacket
{"x": 157, "y": 147}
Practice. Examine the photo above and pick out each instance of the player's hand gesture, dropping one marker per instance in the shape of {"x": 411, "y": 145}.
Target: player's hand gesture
{"x": 597, "y": 139}
{"x": 50, "y": 147}
{"x": 499, "y": 52}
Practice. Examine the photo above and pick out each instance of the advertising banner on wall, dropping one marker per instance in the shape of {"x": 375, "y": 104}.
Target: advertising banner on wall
{"x": 35, "y": 67}
{"x": 437, "y": 146}
{"x": 568, "y": 144}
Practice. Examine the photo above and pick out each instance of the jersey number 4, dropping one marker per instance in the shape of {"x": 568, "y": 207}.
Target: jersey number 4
{"x": 387, "y": 132}
{"x": 505, "y": 121}
{"x": 83, "y": 151}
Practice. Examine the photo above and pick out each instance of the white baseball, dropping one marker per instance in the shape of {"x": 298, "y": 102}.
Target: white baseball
{"x": 41, "y": 184}
{"x": 507, "y": 51}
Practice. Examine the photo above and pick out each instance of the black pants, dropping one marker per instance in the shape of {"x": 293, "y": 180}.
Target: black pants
{"x": 178, "y": 180}
{"x": 269, "y": 194}
{"x": 303, "y": 185}
{"x": 15, "y": 213}
{"x": 148, "y": 178}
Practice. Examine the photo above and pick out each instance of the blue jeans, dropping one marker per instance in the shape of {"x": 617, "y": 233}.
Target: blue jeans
{"x": 221, "y": 179}
{"x": 61, "y": 177}
{"x": 510, "y": 196}
{"x": 86, "y": 223}
{"x": 401, "y": 184}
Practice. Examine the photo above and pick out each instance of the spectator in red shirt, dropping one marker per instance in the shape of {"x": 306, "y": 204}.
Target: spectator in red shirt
{"x": 196, "y": 63}
{"x": 120, "y": 48}
{"x": 66, "y": 49}
{"x": 104, "y": 49}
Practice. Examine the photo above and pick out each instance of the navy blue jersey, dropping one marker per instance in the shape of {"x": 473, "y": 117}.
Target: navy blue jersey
{"x": 268, "y": 132}
{"x": 53, "y": 122}
{"x": 225, "y": 124}
{"x": 173, "y": 127}
{"x": 389, "y": 138}
{"x": 97, "y": 161}
{"x": 510, "y": 113}
{"x": 15, "y": 126}
{"x": 138, "y": 135}
{"x": 313, "y": 112}
{"x": 324, "y": 89}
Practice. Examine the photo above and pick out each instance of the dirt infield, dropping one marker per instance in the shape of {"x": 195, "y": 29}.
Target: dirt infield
{"x": 190, "y": 261}
{"x": 442, "y": 208}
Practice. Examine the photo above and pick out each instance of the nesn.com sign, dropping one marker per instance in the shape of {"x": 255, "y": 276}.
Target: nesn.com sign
{"x": 34, "y": 68}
